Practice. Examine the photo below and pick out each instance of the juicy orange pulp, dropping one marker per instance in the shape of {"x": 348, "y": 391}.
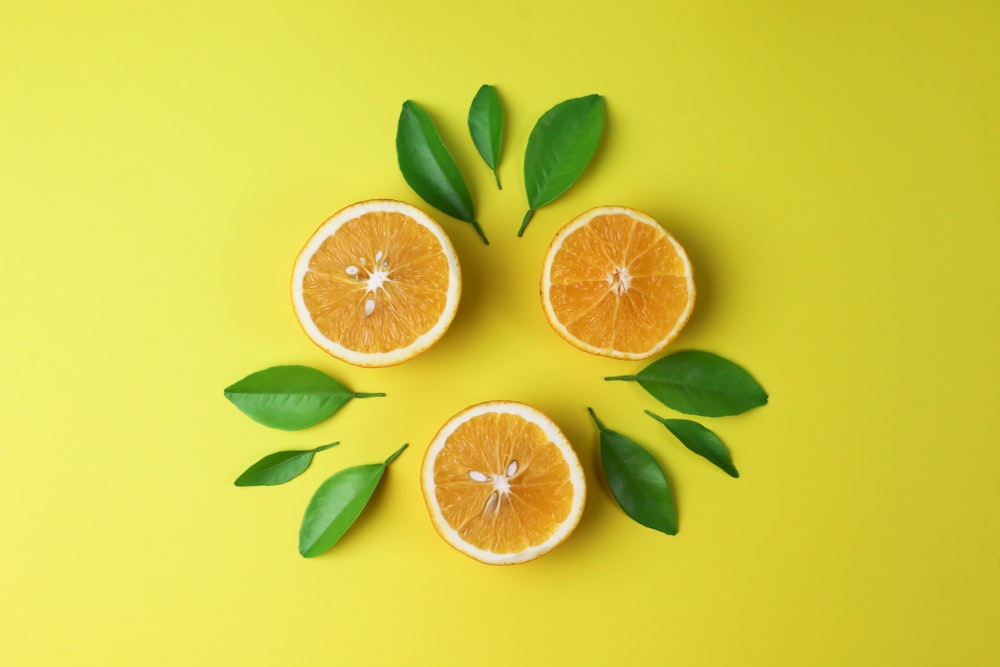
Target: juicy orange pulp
{"x": 615, "y": 283}
{"x": 377, "y": 286}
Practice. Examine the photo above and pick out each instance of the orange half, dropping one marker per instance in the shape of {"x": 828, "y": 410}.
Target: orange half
{"x": 377, "y": 284}
{"x": 616, "y": 284}
{"x": 502, "y": 484}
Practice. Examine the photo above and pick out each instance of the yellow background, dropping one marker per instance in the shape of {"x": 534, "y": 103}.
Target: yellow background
{"x": 832, "y": 168}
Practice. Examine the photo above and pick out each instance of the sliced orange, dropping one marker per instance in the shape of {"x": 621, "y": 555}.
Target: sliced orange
{"x": 377, "y": 284}
{"x": 615, "y": 283}
{"x": 502, "y": 484}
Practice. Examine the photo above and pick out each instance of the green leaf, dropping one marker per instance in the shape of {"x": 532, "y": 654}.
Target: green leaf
{"x": 486, "y": 127}
{"x": 559, "y": 148}
{"x": 429, "y": 168}
{"x": 337, "y": 503}
{"x": 637, "y": 481}
{"x": 700, "y": 440}
{"x": 700, "y": 383}
{"x": 279, "y": 467}
{"x": 290, "y": 397}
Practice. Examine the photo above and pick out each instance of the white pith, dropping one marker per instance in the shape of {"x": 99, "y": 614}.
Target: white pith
{"x": 554, "y": 435}
{"x": 375, "y": 279}
{"x": 619, "y": 281}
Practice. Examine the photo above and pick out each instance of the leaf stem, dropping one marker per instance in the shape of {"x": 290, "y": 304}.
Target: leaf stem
{"x": 479, "y": 230}
{"x": 395, "y": 454}
{"x": 657, "y": 417}
{"x": 323, "y": 448}
{"x": 361, "y": 394}
{"x": 524, "y": 223}
{"x": 600, "y": 424}
{"x": 622, "y": 377}
{"x": 496, "y": 175}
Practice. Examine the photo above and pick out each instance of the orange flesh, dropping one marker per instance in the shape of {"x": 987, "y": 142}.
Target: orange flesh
{"x": 540, "y": 492}
{"x": 410, "y": 300}
{"x": 598, "y": 303}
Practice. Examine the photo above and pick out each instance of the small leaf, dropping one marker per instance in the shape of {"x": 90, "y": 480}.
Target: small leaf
{"x": 290, "y": 397}
{"x": 637, "y": 481}
{"x": 337, "y": 503}
{"x": 486, "y": 127}
{"x": 559, "y": 148}
{"x": 700, "y": 440}
{"x": 279, "y": 467}
{"x": 429, "y": 168}
{"x": 700, "y": 383}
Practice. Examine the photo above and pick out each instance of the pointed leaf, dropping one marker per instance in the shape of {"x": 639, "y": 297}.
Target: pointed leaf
{"x": 290, "y": 397}
{"x": 486, "y": 127}
{"x": 559, "y": 148}
{"x": 279, "y": 467}
{"x": 429, "y": 168}
{"x": 700, "y": 440}
{"x": 700, "y": 383}
{"x": 337, "y": 503}
{"x": 637, "y": 481}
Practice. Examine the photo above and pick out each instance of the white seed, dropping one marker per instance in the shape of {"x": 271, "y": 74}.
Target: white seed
{"x": 369, "y": 307}
{"x": 511, "y": 469}
{"x": 352, "y": 270}
{"x": 378, "y": 257}
{"x": 477, "y": 476}
{"x": 491, "y": 504}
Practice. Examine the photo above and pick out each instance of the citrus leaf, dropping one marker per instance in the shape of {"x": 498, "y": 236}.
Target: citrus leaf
{"x": 637, "y": 481}
{"x": 290, "y": 397}
{"x": 486, "y": 127}
{"x": 337, "y": 503}
{"x": 700, "y": 440}
{"x": 559, "y": 148}
{"x": 700, "y": 383}
{"x": 429, "y": 168}
{"x": 279, "y": 467}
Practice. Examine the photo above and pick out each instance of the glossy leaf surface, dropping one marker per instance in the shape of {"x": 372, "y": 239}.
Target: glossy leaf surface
{"x": 279, "y": 467}
{"x": 700, "y": 383}
{"x": 337, "y": 503}
{"x": 290, "y": 397}
{"x": 559, "y": 148}
{"x": 486, "y": 127}
{"x": 428, "y": 167}
{"x": 700, "y": 440}
{"x": 636, "y": 481}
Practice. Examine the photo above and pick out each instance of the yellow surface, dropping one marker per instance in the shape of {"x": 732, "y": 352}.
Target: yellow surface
{"x": 832, "y": 168}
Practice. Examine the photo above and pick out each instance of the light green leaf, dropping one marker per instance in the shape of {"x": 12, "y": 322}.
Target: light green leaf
{"x": 279, "y": 467}
{"x": 337, "y": 503}
{"x": 429, "y": 168}
{"x": 486, "y": 127}
{"x": 290, "y": 397}
{"x": 559, "y": 148}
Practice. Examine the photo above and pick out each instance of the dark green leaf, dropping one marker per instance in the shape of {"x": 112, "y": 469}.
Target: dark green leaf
{"x": 700, "y": 440}
{"x": 637, "y": 481}
{"x": 279, "y": 467}
{"x": 700, "y": 383}
{"x": 337, "y": 503}
{"x": 290, "y": 397}
{"x": 559, "y": 148}
{"x": 486, "y": 127}
{"x": 429, "y": 168}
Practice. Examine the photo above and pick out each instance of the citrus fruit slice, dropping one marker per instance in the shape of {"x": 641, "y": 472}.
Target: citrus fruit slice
{"x": 615, "y": 283}
{"x": 377, "y": 284}
{"x": 502, "y": 484}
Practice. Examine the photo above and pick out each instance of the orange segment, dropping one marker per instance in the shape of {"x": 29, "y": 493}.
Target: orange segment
{"x": 377, "y": 284}
{"x": 615, "y": 283}
{"x": 502, "y": 484}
